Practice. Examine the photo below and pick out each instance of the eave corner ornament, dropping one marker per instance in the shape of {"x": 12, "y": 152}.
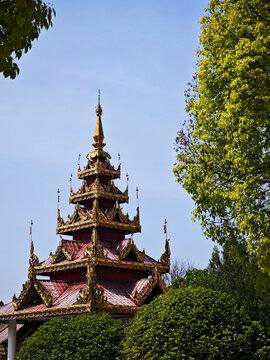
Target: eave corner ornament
{"x": 131, "y": 247}
{"x": 32, "y": 284}
{"x": 166, "y": 256}
{"x": 91, "y": 293}
{"x": 62, "y": 249}
{"x": 155, "y": 280}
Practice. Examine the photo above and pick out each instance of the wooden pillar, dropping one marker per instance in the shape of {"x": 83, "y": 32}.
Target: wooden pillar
{"x": 12, "y": 339}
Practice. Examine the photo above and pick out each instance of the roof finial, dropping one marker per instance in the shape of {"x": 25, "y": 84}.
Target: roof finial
{"x": 30, "y": 229}
{"x": 165, "y": 228}
{"x": 58, "y": 198}
{"x": 70, "y": 180}
{"x": 137, "y": 196}
{"x": 99, "y": 135}
{"x": 119, "y": 158}
{"x": 99, "y": 108}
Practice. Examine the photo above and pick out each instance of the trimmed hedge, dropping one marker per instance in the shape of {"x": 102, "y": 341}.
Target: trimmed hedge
{"x": 82, "y": 338}
{"x": 193, "y": 323}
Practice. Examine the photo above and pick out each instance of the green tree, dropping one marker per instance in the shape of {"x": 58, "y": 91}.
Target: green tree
{"x": 242, "y": 281}
{"x": 81, "y": 338}
{"x": 193, "y": 324}
{"x": 223, "y": 157}
{"x": 20, "y": 24}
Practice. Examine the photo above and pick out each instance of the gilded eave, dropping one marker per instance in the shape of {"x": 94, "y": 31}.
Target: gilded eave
{"x": 113, "y": 219}
{"x": 114, "y": 174}
{"x": 99, "y": 168}
{"x": 68, "y": 229}
{"x": 110, "y": 191}
{"x": 70, "y": 265}
{"x": 46, "y": 313}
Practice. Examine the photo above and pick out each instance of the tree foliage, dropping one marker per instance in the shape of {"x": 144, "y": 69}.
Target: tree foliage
{"x": 242, "y": 281}
{"x": 81, "y": 338}
{"x": 223, "y": 157}
{"x": 20, "y": 24}
{"x": 193, "y": 323}
{"x": 178, "y": 268}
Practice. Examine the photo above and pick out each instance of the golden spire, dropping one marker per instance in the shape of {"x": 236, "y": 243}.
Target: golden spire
{"x": 99, "y": 135}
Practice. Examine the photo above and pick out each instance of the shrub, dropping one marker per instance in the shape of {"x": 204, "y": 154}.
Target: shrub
{"x": 81, "y": 338}
{"x": 192, "y": 323}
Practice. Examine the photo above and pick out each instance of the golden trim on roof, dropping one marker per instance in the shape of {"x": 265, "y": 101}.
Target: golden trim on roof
{"x": 89, "y": 191}
{"x": 95, "y": 249}
{"x": 28, "y": 287}
{"x": 31, "y": 285}
{"x": 129, "y": 248}
{"x": 47, "y": 313}
{"x": 99, "y": 261}
{"x": 155, "y": 280}
{"x": 61, "y": 249}
{"x": 98, "y": 167}
{"x": 91, "y": 292}
{"x": 98, "y": 134}
{"x": 82, "y": 219}
{"x": 166, "y": 256}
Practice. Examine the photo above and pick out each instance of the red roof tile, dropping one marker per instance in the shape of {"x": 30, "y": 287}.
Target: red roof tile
{"x": 69, "y": 296}
{"x": 6, "y": 308}
{"x": 54, "y": 287}
{"x": 138, "y": 286}
{"x": 110, "y": 249}
{"x": 4, "y": 332}
{"x": 116, "y": 292}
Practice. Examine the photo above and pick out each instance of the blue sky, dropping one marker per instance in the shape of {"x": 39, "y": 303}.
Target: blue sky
{"x": 141, "y": 54}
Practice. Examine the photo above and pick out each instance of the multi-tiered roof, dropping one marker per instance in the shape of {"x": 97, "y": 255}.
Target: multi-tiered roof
{"x": 99, "y": 268}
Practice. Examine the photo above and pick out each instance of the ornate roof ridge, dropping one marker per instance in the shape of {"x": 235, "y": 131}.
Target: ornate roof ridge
{"x": 97, "y": 189}
{"x": 91, "y": 292}
{"x": 129, "y": 247}
{"x": 98, "y": 167}
{"x": 83, "y": 218}
{"x": 106, "y": 261}
{"x": 139, "y": 297}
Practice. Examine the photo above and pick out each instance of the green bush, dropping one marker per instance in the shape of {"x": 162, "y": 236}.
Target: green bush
{"x": 193, "y": 323}
{"x": 81, "y": 338}
{"x": 249, "y": 287}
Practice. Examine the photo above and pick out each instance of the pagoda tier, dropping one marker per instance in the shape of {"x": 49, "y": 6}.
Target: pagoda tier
{"x": 123, "y": 254}
{"x": 99, "y": 167}
{"x": 99, "y": 269}
{"x": 96, "y": 189}
{"x": 93, "y": 289}
{"x": 95, "y": 216}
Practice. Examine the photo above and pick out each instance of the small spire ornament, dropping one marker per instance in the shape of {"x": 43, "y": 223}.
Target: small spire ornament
{"x": 31, "y": 229}
{"x": 119, "y": 163}
{"x": 137, "y": 196}
{"x": 58, "y": 198}
{"x": 70, "y": 180}
{"x": 165, "y": 228}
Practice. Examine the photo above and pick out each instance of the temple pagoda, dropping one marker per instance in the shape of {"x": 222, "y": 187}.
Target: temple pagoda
{"x": 97, "y": 269}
